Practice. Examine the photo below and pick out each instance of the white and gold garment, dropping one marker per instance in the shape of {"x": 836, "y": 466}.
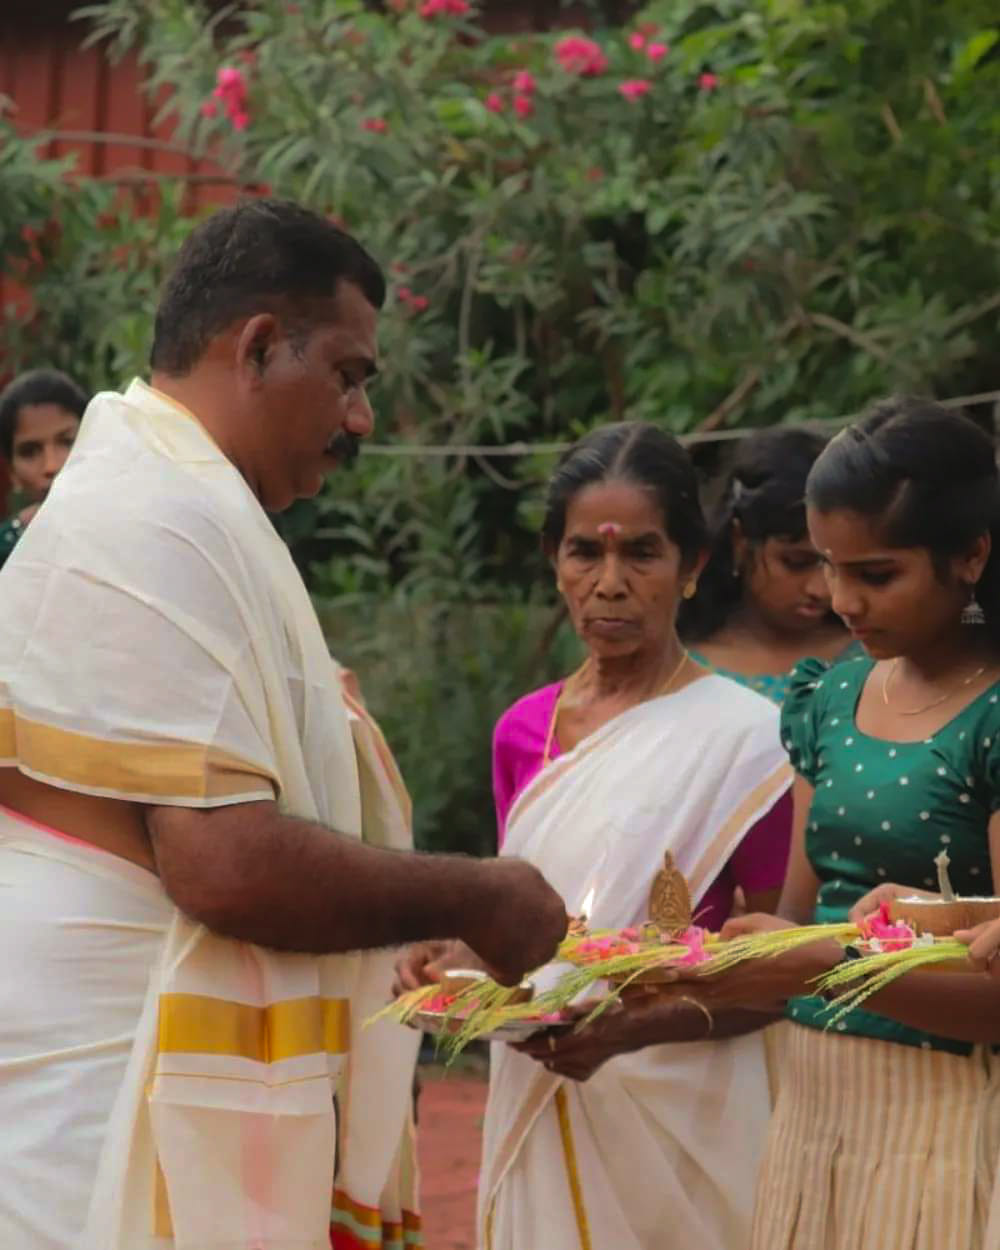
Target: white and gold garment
{"x": 159, "y": 646}
{"x": 661, "y": 1147}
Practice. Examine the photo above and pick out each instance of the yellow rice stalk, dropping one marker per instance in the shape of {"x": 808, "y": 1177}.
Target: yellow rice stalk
{"x": 483, "y": 1007}
{"x": 775, "y": 942}
{"x": 405, "y": 1006}
{"x": 861, "y": 978}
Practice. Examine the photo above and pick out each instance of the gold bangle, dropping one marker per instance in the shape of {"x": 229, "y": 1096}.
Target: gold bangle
{"x": 704, "y": 1011}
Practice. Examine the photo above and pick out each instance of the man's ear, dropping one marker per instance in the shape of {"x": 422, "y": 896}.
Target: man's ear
{"x": 255, "y": 345}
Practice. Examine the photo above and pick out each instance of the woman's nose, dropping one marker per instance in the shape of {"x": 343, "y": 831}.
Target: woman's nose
{"x": 817, "y": 586}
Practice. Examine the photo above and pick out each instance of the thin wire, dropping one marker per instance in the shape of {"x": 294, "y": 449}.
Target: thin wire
{"x": 688, "y": 440}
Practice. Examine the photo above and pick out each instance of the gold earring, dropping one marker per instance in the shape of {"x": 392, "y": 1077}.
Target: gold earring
{"x": 559, "y": 587}
{"x": 690, "y": 589}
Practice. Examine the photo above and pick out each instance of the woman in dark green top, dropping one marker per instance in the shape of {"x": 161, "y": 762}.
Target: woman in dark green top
{"x": 762, "y": 601}
{"x": 40, "y": 413}
{"x": 879, "y": 1134}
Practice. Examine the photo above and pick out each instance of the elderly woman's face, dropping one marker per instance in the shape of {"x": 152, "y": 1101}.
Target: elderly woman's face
{"x": 619, "y": 572}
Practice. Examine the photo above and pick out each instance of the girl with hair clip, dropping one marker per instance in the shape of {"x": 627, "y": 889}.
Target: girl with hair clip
{"x": 886, "y": 1130}
{"x": 763, "y": 602}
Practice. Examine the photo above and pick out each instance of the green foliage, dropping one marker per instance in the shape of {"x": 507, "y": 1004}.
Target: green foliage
{"x": 813, "y": 224}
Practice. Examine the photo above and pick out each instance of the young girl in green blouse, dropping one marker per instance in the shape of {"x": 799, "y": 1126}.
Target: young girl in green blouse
{"x": 887, "y": 1127}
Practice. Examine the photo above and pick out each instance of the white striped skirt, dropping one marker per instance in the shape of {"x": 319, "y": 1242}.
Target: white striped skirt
{"x": 877, "y": 1144}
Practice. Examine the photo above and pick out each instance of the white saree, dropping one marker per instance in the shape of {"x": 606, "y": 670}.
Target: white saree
{"x": 160, "y": 647}
{"x": 659, "y": 1148}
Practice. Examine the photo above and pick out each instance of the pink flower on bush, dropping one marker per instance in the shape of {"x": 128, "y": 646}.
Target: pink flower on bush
{"x": 524, "y": 106}
{"x": 231, "y": 92}
{"x": 376, "y": 125}
{"x": 494, "y": 102}
{"x": 637, "y": 41}
{"x": 708, "y": 82}
{"x": 417, "y": 303}
{"x": 431, "y": 8}
{"x": 209, "y": 109}
{"x": 524, "y": 82}
{"x": 581, "y": 56}
{"x": 634, "y": 88}
{"x": 657, "y": 51}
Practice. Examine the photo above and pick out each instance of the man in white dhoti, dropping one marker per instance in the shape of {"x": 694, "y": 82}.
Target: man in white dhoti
{"x": 199, "y": 819}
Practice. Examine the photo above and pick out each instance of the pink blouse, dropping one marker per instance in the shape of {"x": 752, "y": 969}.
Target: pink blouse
{"x": 757, "y": 864}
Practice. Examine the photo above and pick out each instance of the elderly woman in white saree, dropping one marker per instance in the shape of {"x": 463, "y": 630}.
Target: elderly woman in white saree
{"x": 637, "y": 1130}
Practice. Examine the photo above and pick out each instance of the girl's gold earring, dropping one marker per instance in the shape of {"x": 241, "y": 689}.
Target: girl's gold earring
{"x": 559, "y": 587}
{"x": 690, "y": 589}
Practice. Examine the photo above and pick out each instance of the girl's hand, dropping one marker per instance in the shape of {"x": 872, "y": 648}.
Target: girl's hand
{"x": 753, "y": 922}
{"x": 887, "y": 893}
{"x": 424, "y": 963}
{"x": 984, "y": 945}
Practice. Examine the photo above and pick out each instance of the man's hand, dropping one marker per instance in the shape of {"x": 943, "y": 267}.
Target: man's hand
{"x": 516, "y": 921}
{"x": 887, "y": 893}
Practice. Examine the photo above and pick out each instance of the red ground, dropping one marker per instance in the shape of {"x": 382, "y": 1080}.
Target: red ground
{"x": 451, "y": 1118}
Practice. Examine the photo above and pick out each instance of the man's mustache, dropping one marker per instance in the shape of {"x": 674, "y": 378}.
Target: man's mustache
{"x": 346, "y": 447}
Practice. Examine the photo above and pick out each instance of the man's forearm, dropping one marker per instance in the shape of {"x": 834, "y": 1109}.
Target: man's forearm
{"x": 293, "y": 885}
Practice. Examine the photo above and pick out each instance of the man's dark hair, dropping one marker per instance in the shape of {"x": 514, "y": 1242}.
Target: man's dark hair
{"x": 40, "y": 386}
{"x": 258, "y": 256}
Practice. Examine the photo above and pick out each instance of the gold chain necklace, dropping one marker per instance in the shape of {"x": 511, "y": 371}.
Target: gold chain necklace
{"x": 916, "y": 711}
{"x": 665, "y": 688}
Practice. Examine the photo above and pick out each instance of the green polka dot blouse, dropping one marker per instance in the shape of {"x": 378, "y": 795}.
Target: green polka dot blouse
{"x": 883, "y": 810}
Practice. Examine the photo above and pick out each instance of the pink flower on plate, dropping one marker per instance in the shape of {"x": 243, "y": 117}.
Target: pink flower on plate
{"x": 581, "y": 56}
{"x": 894, "y": 936}
{"x": 494, "y": 102}
{"x": 708, "y": 82}
{"x": 524, "y": 105}
{"x": 694, "y": 940}
{"x": 634, "y": 88}
{"x": 637, "y": 41}
{"x": 376, "y": 125}
{"x": 524, "y": 82}
{"x": 657, "y": 51}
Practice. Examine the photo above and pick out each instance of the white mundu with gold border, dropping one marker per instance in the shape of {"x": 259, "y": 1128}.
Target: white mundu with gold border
{"x": 160, "y": 647}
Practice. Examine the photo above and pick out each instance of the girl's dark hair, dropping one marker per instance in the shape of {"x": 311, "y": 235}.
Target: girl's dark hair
{"x": 928, "y": 475}
{"x": 645, "y": 455}
{"x": 765, "y": 491}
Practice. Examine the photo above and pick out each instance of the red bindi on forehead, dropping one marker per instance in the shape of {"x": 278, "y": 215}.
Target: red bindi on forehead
{"x": 609, "y": 529}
